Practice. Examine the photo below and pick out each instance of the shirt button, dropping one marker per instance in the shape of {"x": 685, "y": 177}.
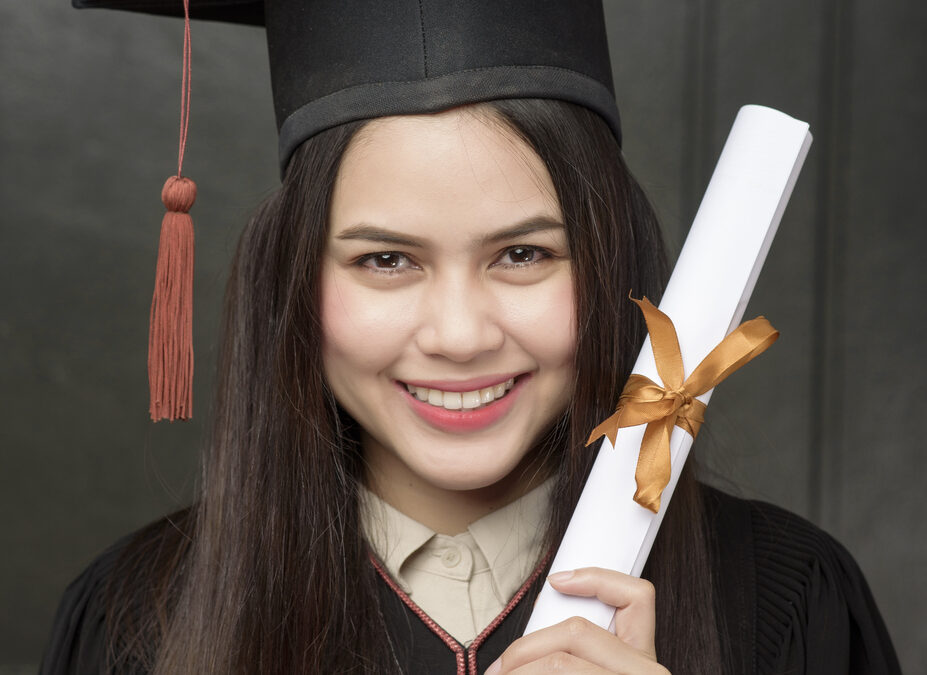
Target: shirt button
{"x": 451, "y": 557}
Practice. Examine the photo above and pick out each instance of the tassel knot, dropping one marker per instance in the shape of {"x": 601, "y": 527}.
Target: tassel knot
{"x": 178, "y": 194}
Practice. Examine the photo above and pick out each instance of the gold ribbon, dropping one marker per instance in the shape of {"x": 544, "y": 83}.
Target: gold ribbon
{"x": 643, "y": 401}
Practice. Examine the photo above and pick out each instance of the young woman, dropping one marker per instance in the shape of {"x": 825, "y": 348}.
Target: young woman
{"x": 421, "y": 328}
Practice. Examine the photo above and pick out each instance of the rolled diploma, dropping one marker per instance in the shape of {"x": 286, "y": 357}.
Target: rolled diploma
{"x": 705, "y": 298}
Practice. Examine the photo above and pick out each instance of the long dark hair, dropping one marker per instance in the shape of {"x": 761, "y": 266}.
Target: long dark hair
{"x": 269, "y": 571}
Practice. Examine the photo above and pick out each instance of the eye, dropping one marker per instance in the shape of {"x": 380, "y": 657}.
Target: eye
{"x": 387, "y": 261}
{"x": 520, "y": 256}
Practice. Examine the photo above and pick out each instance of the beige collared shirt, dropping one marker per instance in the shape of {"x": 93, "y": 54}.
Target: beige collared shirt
{"x": 464, "y": 581}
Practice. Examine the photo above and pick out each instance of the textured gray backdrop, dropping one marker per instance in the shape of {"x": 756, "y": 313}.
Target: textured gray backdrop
{"x": 828, "y": 423}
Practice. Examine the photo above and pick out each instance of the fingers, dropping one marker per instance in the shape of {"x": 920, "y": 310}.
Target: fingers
{"x": 575, "y": 646}
{"x": 559, "y": 662}
{"x": 579, "y": 646}
{"x": 632, "y": 597}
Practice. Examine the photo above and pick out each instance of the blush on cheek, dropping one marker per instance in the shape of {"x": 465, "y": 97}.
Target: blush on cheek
{"x": 360, "y": 325}
{"x": 543, "y": 321}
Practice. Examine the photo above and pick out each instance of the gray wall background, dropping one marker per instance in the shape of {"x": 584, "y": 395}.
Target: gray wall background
{"x": 828, "y": 423}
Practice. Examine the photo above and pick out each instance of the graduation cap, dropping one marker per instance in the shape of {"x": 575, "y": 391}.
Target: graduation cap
{"x": 337, "y": 61}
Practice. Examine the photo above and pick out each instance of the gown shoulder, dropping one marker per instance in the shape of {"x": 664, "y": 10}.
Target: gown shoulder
{"x": 76, "y": 643}
{"x": 793, "y": 593}
{"x": 129, "y": 571}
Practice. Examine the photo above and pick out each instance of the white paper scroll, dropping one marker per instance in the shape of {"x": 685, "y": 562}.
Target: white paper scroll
{"x": 705, "y": 298}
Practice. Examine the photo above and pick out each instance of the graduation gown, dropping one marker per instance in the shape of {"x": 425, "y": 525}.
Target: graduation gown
{"x": 793, "y": 599}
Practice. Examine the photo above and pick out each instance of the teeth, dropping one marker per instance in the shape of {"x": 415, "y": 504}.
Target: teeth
{"x": 471, "y": 399}
{"x": 468, "y": 400}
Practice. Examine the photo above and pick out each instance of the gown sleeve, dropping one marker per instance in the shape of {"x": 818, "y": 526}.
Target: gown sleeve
{"x": 76, "y": 644}
{"x": 814, "y": 610}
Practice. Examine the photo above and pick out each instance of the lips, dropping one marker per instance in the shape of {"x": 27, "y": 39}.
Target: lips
{"x": 437, "y": 408}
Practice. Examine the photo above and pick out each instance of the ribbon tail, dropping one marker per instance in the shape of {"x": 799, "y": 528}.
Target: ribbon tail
{"x": 653, "y": 464}
{"x": 664, "y": 342}
{"x": 742, "y": 345}
{"x": 607, "y": 428}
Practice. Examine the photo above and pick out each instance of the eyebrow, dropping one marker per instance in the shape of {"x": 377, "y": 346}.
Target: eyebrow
{"x": 523, "y": 228}
{"x": 378, "y": 234}
{"x": 382, "y": 235}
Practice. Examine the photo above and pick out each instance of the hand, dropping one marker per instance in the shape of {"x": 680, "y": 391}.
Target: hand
{"x": 579, "y": 646}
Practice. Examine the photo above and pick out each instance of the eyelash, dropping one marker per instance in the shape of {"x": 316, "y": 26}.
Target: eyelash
{"x": 370, "y": 257}
{"x": 543, "y": 252}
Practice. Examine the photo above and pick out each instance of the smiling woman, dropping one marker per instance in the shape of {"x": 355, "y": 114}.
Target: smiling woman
{"x": 421, "y": 327}
{"x": 454, "y": 253}
{"x": 496, "y": 229}
{"x": 451, "y": 201}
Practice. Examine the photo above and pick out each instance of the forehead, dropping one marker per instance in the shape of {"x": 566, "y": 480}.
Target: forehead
{"x": 460, "y": 167}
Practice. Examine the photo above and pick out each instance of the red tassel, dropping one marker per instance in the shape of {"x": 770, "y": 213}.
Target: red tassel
{"x": 170, "y": 335}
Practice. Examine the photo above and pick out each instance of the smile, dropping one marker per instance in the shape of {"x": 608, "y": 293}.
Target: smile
{"x": 461, "y": 400}
{"x": 463, "y": 412}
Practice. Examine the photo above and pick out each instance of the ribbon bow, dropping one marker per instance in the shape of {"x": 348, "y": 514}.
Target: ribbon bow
{"x": 643, "y": 401}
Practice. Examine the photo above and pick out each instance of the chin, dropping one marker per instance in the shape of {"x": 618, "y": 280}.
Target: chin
{"x": 465, "y": 472}
{"x": 465, "y": 483}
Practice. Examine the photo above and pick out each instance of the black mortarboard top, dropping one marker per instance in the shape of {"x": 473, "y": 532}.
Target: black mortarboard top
{"x": 337, "y": 61}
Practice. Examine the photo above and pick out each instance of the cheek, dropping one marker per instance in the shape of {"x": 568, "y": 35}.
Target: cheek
{"x": 362, "y": 330}
{"x": 543, "y": 320}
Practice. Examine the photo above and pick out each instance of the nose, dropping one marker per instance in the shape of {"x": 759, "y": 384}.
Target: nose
{"x": 460, "y": 321}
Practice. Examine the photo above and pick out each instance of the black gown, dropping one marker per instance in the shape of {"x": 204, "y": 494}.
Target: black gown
{"x": 793, "y": 599}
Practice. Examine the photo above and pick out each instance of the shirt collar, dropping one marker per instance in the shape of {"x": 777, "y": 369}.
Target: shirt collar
{"x": 392, "y": 535}
{"x": 510, "y": 538}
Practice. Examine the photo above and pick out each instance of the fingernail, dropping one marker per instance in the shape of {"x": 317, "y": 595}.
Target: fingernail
{"x": 494, "y": 668}
{"x": 560, "y": 576}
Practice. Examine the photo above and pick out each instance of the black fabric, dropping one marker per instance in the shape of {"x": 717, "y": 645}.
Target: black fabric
{"x": 814, "y": 610}
{"x": 231, "y": 11}
{"x": 78, "y": 633}
{"x": 333, "y": 62}
{"x": 420, "y": 56}
{"x": 792, "y": 600}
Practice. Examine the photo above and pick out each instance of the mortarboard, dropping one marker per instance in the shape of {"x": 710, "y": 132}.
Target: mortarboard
{"x": 333, "y": 62}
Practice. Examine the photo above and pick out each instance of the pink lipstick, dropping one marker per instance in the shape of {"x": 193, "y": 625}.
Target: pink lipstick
{"x": 463, "y": 421}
